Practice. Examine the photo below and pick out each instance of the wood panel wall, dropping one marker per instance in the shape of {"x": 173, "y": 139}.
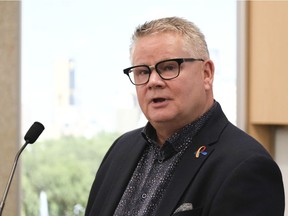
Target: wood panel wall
{"x": 267, "y": 69}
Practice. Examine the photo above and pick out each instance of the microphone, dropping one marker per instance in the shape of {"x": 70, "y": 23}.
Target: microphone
{"x": 31, "y": 136}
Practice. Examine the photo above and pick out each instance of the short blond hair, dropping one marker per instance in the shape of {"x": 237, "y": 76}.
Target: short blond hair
{"x": 193, "y": 37}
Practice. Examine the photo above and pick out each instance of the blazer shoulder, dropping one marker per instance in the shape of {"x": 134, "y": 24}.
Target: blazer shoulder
{"x": 128, "y": 139}
{"x": 133, "y": 134}
{"x": 131, "y": 142}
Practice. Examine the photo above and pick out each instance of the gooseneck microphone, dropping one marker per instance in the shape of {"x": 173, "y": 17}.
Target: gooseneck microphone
{"x": 31, "y": 136}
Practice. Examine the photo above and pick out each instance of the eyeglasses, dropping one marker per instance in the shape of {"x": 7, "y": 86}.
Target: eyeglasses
{"x": 167, "y": 70}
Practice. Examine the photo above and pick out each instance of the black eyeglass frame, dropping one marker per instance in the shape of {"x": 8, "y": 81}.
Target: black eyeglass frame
{"x": 178, "y": 60}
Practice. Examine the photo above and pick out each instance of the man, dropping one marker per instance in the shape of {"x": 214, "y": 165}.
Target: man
{"x": 188, "y": 159}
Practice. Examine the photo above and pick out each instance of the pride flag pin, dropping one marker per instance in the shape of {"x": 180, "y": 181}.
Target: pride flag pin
{"x": 200, "y": 150}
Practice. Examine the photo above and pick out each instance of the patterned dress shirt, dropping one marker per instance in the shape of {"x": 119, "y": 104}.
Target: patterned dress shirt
{"x": 155, "y": 169}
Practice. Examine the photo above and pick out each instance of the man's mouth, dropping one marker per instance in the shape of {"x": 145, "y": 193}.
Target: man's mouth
{"x": 158, "y": 100}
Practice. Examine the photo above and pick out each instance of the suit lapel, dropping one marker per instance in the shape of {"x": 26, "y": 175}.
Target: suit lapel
{"x": 184, "y": 174}
{"x": 189, "y": 165}
{"x": 121, "y": 171}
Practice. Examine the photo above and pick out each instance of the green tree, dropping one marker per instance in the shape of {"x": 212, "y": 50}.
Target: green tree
{"x": 64, "y": 169}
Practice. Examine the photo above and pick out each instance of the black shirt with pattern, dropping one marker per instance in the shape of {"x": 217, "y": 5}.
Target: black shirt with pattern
{"x": 155, "y": 169}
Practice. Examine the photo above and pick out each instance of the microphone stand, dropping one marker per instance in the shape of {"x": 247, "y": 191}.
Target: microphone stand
{"x": 31, "y": 136}
{"x": 11, "y": 177}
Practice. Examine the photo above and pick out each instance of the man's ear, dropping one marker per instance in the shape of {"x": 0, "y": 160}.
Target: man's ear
{"x": 208, "y": 70}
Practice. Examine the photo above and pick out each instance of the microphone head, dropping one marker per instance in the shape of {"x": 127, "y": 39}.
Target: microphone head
{"x": 34, "y": 132}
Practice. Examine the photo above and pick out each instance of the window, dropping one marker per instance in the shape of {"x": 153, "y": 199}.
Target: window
{"x": 67, "y": 44}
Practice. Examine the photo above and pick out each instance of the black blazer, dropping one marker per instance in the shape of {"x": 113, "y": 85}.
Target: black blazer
{"x": 237, "y": 176}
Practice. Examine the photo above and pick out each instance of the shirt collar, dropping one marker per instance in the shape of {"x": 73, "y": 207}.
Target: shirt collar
{"x": 176, "y": 142}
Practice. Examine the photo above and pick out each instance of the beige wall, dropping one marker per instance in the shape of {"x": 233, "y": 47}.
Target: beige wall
{"x": 267, "y": 73}
{"x": 263, "y": 76}
{"x": 9, "y": 100}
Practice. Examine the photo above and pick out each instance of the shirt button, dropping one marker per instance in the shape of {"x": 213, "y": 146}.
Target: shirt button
{"x": 144, "y": 196}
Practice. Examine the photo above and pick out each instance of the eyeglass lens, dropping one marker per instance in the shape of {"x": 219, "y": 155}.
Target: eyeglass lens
{"x": 166, "y": 69}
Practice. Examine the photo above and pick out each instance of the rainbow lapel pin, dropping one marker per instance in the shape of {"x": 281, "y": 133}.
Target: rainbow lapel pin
{"x": 200, "y": 150}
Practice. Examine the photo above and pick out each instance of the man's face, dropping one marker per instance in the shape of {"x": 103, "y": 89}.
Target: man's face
{"x": 177, "y": 102}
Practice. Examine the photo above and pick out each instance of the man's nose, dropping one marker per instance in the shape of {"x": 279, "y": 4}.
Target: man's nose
{"x": 155, "y": 78}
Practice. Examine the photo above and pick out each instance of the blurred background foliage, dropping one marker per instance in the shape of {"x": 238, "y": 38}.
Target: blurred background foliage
{"x": 64, "y": 169}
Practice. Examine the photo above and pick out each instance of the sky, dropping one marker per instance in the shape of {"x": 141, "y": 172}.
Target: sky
{"x": 96, "y": 34}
